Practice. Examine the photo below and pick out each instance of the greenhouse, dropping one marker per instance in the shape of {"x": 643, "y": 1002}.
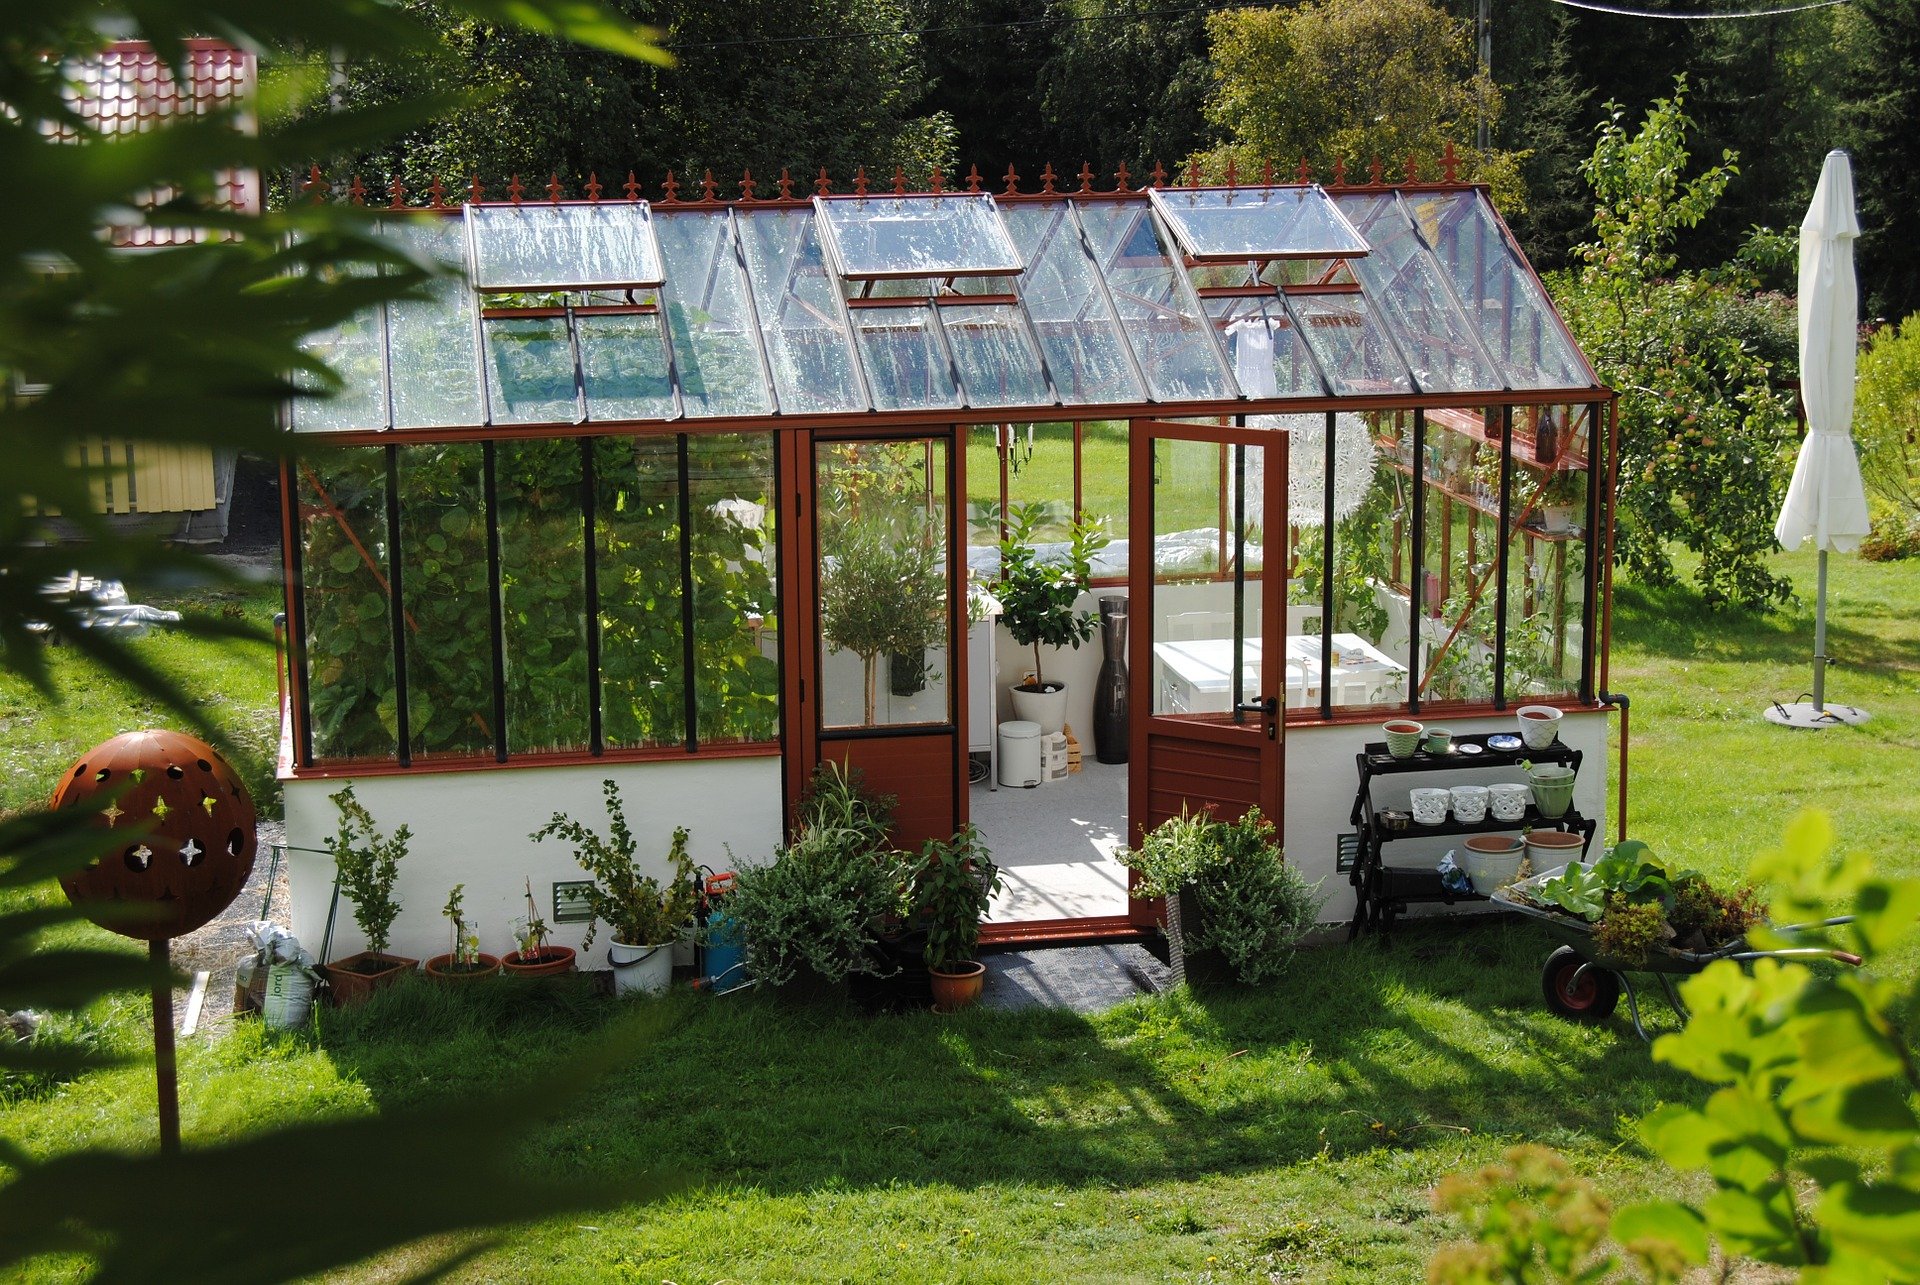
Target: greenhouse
{"x": 696, "y": 495}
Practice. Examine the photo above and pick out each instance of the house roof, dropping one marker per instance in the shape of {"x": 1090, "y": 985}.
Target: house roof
{"x": 629, "y": 312}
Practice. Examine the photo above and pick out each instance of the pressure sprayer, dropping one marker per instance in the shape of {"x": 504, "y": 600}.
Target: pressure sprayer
{"x": 724, "y": 949}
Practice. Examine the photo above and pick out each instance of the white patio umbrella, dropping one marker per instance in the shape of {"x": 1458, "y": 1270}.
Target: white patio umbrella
{"x": 1826, "y": 502}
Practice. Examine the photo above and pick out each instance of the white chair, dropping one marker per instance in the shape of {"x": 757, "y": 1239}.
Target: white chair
{"x": 1193, "y": 626}
{"x": 1298, "y": 616}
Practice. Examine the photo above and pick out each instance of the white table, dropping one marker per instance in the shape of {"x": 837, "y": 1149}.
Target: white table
{"x": 1196, "y": 675}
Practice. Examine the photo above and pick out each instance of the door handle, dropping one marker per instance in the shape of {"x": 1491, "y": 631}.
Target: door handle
{"x": 1267, "y": 706}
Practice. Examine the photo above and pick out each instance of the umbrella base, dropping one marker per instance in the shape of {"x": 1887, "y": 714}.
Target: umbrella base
{"x": 1806, "y": 714}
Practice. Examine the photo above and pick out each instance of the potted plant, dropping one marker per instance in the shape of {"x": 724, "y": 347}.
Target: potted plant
{"x": 952, "y": 885}
{"x": 464, "y": 961}
{"x": 1562, "y": 493}
{"x": 367, "y": 865}
{"x": 644, "y": 917}
{"x": 1037, "y": 599}
{"x": 883, "y": 593}
{"x": 533, "y": 956}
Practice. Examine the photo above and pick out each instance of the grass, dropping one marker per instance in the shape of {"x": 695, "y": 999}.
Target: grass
{"x": 1289, "y": 1134}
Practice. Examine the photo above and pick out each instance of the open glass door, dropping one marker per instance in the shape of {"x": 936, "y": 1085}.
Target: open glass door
{"x": 1208, "y": 730}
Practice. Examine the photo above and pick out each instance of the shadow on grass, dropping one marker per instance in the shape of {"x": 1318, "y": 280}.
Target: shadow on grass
{"x": 1355, "y": 1049}
{"x": 1678, "y": 624}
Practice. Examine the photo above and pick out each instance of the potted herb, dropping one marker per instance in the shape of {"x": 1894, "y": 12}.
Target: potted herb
{"x": 1562, "y": 493}
{"x": 533, "y": 956}
{"x": 367, "y": 865}
{"x": 951, "y": 886}
{"x": 882, "y": 593}
{"x": 1037, "y": 600}
{"x": 644, "y": 917}
{"x": 464, "y": 961}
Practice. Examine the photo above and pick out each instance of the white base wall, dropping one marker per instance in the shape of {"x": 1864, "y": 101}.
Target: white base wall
{"x": 1322, "y": 778}
{"x": 471, "y": 827}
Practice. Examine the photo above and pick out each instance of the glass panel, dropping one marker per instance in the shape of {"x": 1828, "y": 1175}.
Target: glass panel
{"x": 530, "y": 371}
{"x": 883, "y": 582}
{"x": 352, "y": 351}
{"x": 1040, "y": 473}
{"x": 559, "y": 247}
{"x": 1546, "y": 552}
{"x": 999, "y": 366}
{"x": 444, "y": 587}
{"x": 1405, "y": 283}
{"x": 1156, "y": 302}
{"x": 798, "y": 302}
{"x": 344, "y": 587}
{"x": 1504, "y": 302}
{"x": 637, "y": 530}
{"x": 735, "y": 607}
{"x": 624, "y": 361}
{"x": 715, "y": 351}
{"x": 1257, "y": 223}
{"x": 1193, "y": 608}
{"x": 1270, "y": 359}
{"x": 985, "y": 514}
{"x": 1103, "y": 490}
{"x": 430, "y": 340}
{"x": 1371, "y": 605}
{"x": 917, "y": 236}
{"x": 1085, "y": 348}
{"x": 906, "y": 366}
{"x": 1352, "y": 345}
{"x": 543, "y": 593}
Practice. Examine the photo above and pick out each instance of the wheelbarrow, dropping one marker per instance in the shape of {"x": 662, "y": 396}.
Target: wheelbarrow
{"x": 1582, "y": 984}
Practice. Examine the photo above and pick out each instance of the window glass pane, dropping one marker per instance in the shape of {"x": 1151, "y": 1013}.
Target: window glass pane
{"x": 798, "y": 302}
{"x": 918, "y": 236}
{"x": 1546, "y": 552}
{"x": 883, "y": 582}
{"x": 1257, "y": 222}
{"x": 999, "y": 365}
{"x": 1194, "y": 540}
{"x": 985, "y": 514}
{"x": 715, "y": 350}
{"x": 344, "y": 586}
{"x": 1350, "y": 343}
{"x": 735, "y": 606}
{"x": 906, "y": 365}
{"x": 530, "y": 371}
{"x": 1460, "y": 558}
{"x": 1103, "y": 490}
{"x": 543, "y": 594}
{"x": 637, "y": 527}
{"x": 444, "y": 588}
{"x": 1503, "y": 301}
{"x": 1040, "y": 474}
{"x": 352, "y": 351}
{"x": 431, "y": 339}
{"x": 1270, "y": 359}
{"x": 624, "y": 361}
{"x": 1372, "y": 559}
{"x": 555, "y": 247}
{"x": 1406, "y": 284}
{"x": 1156, "y": 302}
{"x": 1086, "y": 351}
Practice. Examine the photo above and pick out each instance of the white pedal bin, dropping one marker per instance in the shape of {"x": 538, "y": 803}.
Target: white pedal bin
{"x": 1020, "y": 764}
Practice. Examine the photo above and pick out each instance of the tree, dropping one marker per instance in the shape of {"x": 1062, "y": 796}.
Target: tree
{"x": 1350, "y": 80}
{"x": 1547, "y": 132}
{"x": 1704, "y": 429}
{"x": 1883, "y": 102}
{"x": 1123, "y": 88}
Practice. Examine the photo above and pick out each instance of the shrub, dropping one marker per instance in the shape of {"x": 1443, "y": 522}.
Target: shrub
{"x": 1891, "y": 538}
{"x": 1886, "y": 423}
{"x": 818, "y": 908}
{"x": 639, "y": 910}
{"x": 368, "y": 866}
{"x": 951, "y": 885}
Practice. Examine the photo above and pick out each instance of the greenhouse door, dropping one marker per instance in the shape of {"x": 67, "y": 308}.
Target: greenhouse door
{"x": 881, "y": 600}
{"x": 1208, "y": 641}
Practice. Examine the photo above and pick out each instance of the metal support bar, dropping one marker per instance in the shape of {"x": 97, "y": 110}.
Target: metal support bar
{"x": 596, "y": 730}
{"x": 1504, "y": 520}
{"x": 1417, "y": 564}
{"x": 397, "y": 611}
{"x": 496, "y": 608}
{"x": 690, "y": 697}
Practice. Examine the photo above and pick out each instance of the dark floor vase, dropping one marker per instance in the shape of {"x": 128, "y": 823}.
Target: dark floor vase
{"x": 907, "y": 674}
{"x": 1112, "y": 700}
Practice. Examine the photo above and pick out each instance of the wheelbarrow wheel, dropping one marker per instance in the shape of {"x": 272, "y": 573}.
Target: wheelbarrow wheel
{"x": 1590, "y": 997}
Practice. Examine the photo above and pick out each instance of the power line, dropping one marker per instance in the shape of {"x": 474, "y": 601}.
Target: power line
{"x": 1696, "y": 17}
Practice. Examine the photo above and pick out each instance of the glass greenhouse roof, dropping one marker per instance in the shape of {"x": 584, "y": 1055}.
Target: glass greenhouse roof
{"x": 617, "y": 312}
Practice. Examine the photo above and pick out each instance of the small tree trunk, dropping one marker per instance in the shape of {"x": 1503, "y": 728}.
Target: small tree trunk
{"x": 1039, "y": 682}
{"x": 870, "y": 668}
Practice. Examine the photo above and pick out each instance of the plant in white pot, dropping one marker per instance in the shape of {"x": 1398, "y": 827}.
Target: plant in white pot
{"x": 644, "y": 916}
{"x": 1037, "y": 604}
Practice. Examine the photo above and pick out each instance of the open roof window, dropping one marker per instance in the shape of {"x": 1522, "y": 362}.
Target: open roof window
{"x": 563, "y": 247}
{"x": 937, "y": 236}
{"x": 1242, "y": 224}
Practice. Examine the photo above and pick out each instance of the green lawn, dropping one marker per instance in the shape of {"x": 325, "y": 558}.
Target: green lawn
{"x": 1291, "y": 1134}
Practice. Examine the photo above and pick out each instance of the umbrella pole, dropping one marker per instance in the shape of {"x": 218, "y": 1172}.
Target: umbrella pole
{"x": 1820, "y": 640}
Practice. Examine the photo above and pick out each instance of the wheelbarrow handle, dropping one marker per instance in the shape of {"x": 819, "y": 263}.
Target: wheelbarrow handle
{"x": 1801, "y": 952}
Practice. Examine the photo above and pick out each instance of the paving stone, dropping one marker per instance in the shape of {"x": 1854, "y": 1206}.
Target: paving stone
{"x": 1086, "y": 979}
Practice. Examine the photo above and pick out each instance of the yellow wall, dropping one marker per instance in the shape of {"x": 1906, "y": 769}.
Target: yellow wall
{"x": 164, "y": 478}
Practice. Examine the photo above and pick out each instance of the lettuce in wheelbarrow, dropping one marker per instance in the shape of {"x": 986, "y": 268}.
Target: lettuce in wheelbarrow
{"x": 1639, "y": 903}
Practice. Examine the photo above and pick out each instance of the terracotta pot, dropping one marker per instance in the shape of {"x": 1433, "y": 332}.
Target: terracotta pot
{"x": 353, "y": 979}
{"x": 548, "y": 961}
{"x": 442, "y": 969}
{"x": 958, "y": 987}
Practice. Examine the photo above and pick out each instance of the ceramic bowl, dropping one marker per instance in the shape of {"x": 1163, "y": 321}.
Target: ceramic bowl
{"x": 1439, "y": 740}
{"x": 1539, "y": 725}
{"x": 1403, "y": 737}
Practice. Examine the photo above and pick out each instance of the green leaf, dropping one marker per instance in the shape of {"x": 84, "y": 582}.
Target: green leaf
{"x": 1876, "y": 1114}
{"x": 1756, "y": 1223}
{"x": 1881, "y": 1220}
{"x": 1665, "y": 1221}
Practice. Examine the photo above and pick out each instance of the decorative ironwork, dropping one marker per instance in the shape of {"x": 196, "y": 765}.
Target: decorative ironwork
{"x": 399, "y": 192}
{"x": 1449, "y": 163}
{"x": 1233, "y": 174}
{"x": 899, "y": 181}
{"x": 786, "y": 184}
{"x": 631, "y": 187}
{"x": 939, "y": 183}
{"x": 1375, "y": 171}
{"x": 672, "y": 189}
{"x": 1086, "y": 177}
{"x": 823, "y": 186}
{"x": 1013, "y": 182}
{"x": 514, "y": 189}
{"x": 475, "y": 190}
{"x": 860, "y": 180}
{"x": 357, "y": 191}
{"x": 747, "y": 184}
{"x": 315, "y": 188}
{"x": 707, "y": 186}
{"x": 1413, "y": 169}
{"x": 1122, "y": 180}
{"x": 1159, "y": 174}
{"x": 973, "y": 178}
{"x": 1339, "y": 171}
{"x": 1193, "y": 172}
{"x": 182, "y": 827}
{"x": 1047, "y": 178}
{"x": 554, "y": 190}
{"x": 593, "y": 186}
{"x": 1303, "y": 172}
{"x": 437, "y": 194}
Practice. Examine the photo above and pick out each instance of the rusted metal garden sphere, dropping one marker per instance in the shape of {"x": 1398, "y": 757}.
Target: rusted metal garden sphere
{"x": 189, "y": 832}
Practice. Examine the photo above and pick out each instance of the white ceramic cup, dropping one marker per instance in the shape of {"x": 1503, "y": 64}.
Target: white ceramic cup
{"x": 1430, "y": 806}
{"x": 1469, "y": 803}
{"x": 1508, "y": 799}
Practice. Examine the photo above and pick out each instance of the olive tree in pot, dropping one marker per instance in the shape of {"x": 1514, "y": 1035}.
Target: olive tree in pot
{"x": 644, "y": 917}
{"x": 464, "y": 962}
{"x": 1037, "y": 596}
{"x": 882, "y": 593}
{"x": 367, "y": 865}
{"x": 951, "y": 885}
